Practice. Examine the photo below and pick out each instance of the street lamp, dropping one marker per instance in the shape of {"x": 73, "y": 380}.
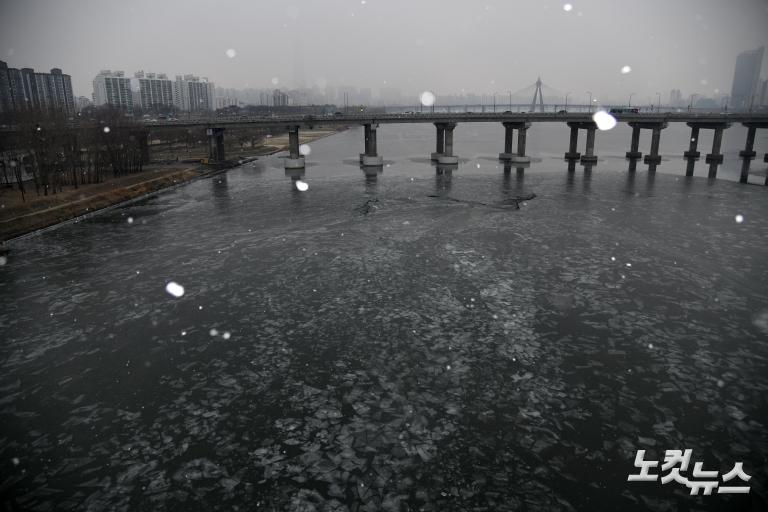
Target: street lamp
{"x": 494, "y": 102}
{"x": 590, "y": 100}
{"x": 629, "y": 103}
{"x": 658, "y": 103}
{"x": 510, "y": 100}
{"x": 566, "y": 100}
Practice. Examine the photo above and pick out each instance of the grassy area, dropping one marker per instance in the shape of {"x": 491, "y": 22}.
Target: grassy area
{"x": 18, "y": 217}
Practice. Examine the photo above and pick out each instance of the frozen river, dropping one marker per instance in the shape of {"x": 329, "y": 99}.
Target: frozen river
{"x": 403, "y": 341}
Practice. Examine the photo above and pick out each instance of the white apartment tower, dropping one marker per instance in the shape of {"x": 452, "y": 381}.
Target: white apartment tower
{"x": 113, "y": 88}
{"x": 193, "y": 94}
{"x": 155, "y": 90}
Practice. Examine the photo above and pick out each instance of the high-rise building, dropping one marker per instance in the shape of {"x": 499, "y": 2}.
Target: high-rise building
{"x": 279, "y": 98}
{"x": 675, "y": 98}
{"x": 23, "y": 89}
{"x": 113, "y": 88}
{"x": 58, "y": 91}
{"x": 763, "y": 93}
{"x": 7, "y": 103}
{"x": 29, "y": 88}
{"x": 745, "y": 78}
{"x": 193, "y": 94}
{"x": 155, "y": 90}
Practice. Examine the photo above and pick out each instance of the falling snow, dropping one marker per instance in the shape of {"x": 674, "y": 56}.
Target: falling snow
{"x": 604, "y": 120}
{"x": 174, "y": 289}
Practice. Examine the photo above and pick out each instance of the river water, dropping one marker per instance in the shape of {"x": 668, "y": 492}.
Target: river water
{"x": 402, "y": 340}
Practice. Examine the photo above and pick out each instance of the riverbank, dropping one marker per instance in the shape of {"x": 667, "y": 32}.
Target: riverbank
{"x": 19, "y": 217}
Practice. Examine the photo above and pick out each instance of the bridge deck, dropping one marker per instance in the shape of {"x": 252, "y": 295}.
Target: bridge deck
{"x": 464, "y": 117}
{"x": 303, "y": 121}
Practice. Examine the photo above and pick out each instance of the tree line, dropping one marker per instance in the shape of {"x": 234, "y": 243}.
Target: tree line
{"x": 52, "y": 152}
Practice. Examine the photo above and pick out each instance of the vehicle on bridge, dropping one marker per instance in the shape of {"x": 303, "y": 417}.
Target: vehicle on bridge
{"x": 624, "y": 110}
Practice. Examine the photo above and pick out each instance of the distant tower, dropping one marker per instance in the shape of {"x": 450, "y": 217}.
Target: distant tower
{"x": 541, "y": 97}
{"x": 746, "y": 78}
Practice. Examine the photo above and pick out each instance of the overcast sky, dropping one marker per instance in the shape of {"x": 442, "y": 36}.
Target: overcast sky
{"x": 439, "y": 45}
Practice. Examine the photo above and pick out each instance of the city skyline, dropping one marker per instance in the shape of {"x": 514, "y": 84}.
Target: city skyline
{"x": 156, "y": 90}
{"x": 693, "y": 46}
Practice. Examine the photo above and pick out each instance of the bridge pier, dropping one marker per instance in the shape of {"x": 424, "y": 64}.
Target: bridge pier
{"x": 509, "y": 154}
{"x": 366, "y": 137}
{"x": 447, "y": 156}
{"x": 692, "y": 155}
{"x": 589, "y": 157}
{"x": 216, "y": 144}
{"x": 520, "y": 157}
{"x": 440, "y": 146}
{"x": 749, "y": 153}
{"x": 715, "y": 158}
{"x": 572, "y": 153}
{"x": 654, "y": 158}
{"x": 509, "y": 134}
{"x": 294, "y": 160}
{"x": 370, "y": 157}
{"x": 634, "y": 153}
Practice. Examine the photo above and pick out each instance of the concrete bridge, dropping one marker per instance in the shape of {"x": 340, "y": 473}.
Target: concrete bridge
{"x": 446, "y": 123}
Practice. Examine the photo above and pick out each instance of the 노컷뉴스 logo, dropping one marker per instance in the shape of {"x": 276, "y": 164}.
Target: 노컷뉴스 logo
{"x": 677, "y": 461}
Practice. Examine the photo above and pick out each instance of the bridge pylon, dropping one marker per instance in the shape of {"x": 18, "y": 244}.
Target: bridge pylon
{"x": 538, "y": 93}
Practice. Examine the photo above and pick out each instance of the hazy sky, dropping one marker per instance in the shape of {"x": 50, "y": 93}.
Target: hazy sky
{"x": 439, "y": 45}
